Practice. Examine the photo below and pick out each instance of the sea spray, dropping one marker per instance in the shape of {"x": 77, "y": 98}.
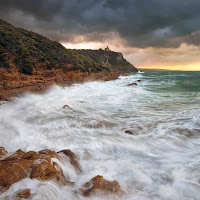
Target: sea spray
{"x": 160, "y": 161}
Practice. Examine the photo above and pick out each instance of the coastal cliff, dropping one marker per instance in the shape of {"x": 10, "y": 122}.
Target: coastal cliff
{"x": 107, "y": 58}
{"x": 31, "y": 62}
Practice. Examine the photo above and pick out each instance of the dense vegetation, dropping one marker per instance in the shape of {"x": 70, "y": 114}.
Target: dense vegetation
{"x": 3, "y": 55}
{"x": 30, "y": 49}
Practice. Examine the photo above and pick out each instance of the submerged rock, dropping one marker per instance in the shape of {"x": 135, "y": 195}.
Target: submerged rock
{"x": 130, "y": 132}
{"x": 132, "y": 84}
{"x": 99, "y": 186}
{"x": 25, "y": 194}
{"x": 66, "y": 106}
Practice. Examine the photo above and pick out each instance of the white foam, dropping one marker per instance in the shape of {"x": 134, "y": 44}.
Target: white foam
{"x": 146, "y": 165}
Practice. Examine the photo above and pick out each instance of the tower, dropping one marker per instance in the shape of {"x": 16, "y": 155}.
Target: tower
{"x": 107, "y": 49}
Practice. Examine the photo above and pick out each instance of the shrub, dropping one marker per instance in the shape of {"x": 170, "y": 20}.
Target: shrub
{"x": 6, "y": 65}
{"x": 42, "y": 59}
{"x": 26, "y": 60}
{"x": 50, "y": 65}
{"x": 26, "y": 69}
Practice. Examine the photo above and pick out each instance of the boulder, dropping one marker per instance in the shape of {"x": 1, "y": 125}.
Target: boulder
{"x": 99, "y": 186}
{"x": 33, "y": 165}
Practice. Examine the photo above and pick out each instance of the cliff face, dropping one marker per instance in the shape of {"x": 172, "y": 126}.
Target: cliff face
{"x": 112, "y": 60}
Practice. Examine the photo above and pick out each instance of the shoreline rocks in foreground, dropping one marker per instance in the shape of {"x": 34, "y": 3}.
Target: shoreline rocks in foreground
{"x": 42, "y": 166}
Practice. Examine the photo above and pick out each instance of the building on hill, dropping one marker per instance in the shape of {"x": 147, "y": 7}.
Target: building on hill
{"x": 107, "y": 49}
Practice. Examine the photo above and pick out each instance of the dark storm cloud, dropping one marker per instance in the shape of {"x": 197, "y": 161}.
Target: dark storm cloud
{"x": 141, "y": 23}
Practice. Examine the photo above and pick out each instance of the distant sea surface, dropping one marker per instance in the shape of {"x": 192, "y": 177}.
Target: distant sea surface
{"x": 160, "y": 161}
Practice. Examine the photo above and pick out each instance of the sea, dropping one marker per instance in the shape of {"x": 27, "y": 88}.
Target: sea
{"x": 145, "y": 136}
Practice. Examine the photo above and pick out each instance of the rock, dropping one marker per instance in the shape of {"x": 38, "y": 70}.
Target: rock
{"x": 98, "y": 185}
{"x": 49, "y": 152}
{"x": 3, "y": 152}
{"x": 130, "y": 132}
{"x": 12, "y": 171}
{"x": 66, "y": 106}
{"x": 47, "y": 171}
{"x": 14, "y": 156}
{"x": 31, "y": 155}
{"x": 132, "y": 84}
{"x": 33, "y": 165}
{"x": 139, "y": 80}
{"x": 24, "y": 194}
{"x": 73, "y": 159}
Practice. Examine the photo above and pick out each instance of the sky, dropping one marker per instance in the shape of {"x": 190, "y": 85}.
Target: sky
{"x": 161, "y": 34}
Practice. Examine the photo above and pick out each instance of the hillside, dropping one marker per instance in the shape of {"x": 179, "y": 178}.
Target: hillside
{"x": 31, "y": 62}
{"x": 30, "y": 49}
{"x": 112, "y": 60}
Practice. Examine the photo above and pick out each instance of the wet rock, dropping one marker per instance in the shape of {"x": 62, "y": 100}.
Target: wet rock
{"x": 73, "y": 159}
{"x": 31, "y": 155}
{"x": 3, "y": 152}
{"x": 66, "y": 106}
{"x": 24, "y": 194}
{"x": 14, "y": 156}
{"x": 12, "y": 171}
{"x": 99, "y": 186}
{"x": 132, "y": 84}
{"x": 42, "y": 170}
{"x": 47, "y": 171}
{"x": 33, "y": 165}
{"x": 49, "y": 152}
{"x": 130, "y": 132}
{"x": 139, "y": 80}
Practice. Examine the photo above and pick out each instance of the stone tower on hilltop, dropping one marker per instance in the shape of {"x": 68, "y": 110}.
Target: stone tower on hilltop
{"x": 107, "y": 49}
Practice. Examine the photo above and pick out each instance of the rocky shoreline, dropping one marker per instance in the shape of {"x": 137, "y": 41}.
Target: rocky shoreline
{"x": 16, "y": 84}
{"x": 44, "y": 166}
